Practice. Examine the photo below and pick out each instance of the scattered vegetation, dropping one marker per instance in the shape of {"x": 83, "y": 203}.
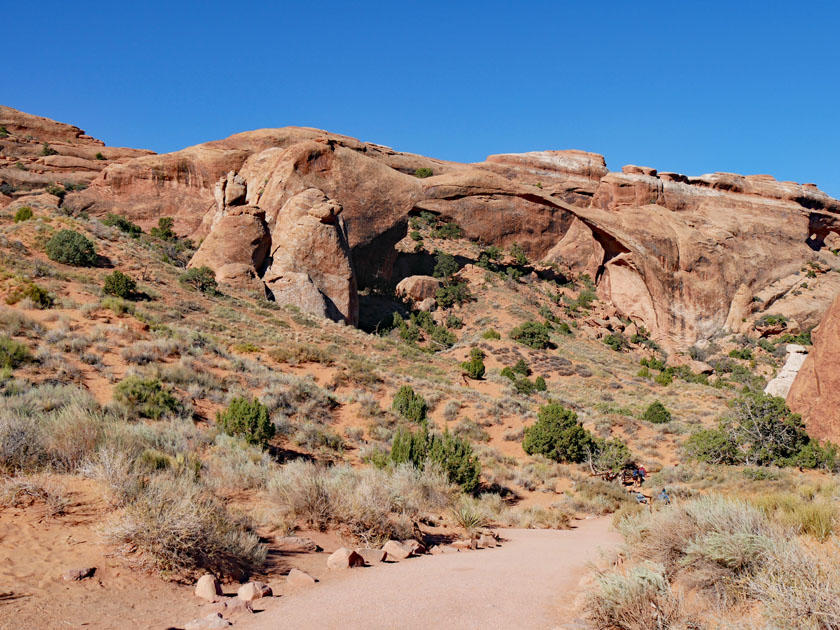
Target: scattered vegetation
{"x": 247, "y": 419}
{"x": 71, "y": 248}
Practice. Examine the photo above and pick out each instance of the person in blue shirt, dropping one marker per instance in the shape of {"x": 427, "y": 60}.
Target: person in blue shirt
{"x": 664, "y": 496}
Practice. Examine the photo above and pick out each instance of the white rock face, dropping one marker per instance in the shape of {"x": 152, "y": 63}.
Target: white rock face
{"x": 780, "y": 386}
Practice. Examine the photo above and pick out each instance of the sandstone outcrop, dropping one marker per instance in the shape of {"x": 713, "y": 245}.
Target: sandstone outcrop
{"x": 418, "y": 288}
{"x": 816, "y": 391}
{"x": 682, "y": 256}
{"x": 781, "y": 384}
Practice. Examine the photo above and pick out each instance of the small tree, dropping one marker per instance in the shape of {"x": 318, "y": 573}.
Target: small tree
{"x": 540, "y": 384}
{"x": 450, "y": 453}
{"x": 409, "y": 405}
{"x": 119, "y": 285}
{"x": 474, "y": 368}
{"x": 201, "y": 279}
{"x": 164, "y": 230}
{"x": 656, "y": 413}
{"x": 520, "y": 367}
{"x": 247, "y": 419}
{"x": 71, "y": 248}
{"x": 445, "y": 265}
{"x": 123, "y": 224}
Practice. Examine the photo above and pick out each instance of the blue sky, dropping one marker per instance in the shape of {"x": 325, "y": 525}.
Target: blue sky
{"x": 748, "y": 87}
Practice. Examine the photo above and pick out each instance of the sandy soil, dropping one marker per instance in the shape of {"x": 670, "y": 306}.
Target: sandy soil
{"x": 528, "y": 583}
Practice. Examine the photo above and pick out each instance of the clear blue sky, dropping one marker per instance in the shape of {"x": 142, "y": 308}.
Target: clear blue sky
{"x": 694, "y": 87}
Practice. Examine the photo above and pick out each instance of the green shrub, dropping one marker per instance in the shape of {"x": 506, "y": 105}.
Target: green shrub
{"x": 4, "y": 133}
{"x": 448, "y": 230}
{"x": 523, "y": 386}
{"x": 741, "y": 353}
{"x": 99, "y": 156}
{"x": 540, "y": 384}
{"x": 36, "y": 294}
{"x": 450, "y": 453}
{"x": 164, "y": 231}
{"x": 146, "y": 396}
{"x": 13, "y": 353}
{"x": 24, "y": 213}
{"x": 520, "y": 367}
{"x": 558, "y": 435}
{"x": 122, "y": 224}
{"x": 656, "y": 413}
{"x": 46, "y": 149}
{"x": 664, "y": 378}
{"x": 409, "y": 405}
{"x": 453, "y": 293}
{"x": 201, "y": 279}
{"x": 507, "y": 372}
{"x": 532, "y": 334}
{"x": 653, "y": 363}
{"x": 247, "y": 419}
{"x": 119, "y": 285}
{"x": 416, "y": 236}
{"x": 453, "y": 321}
{"x": 474, "y": 368}
{"x": 423, "y": 172}
{"x": 518, "y": 254}
{"x": 491, "y": 334}
{"x": 616, "y": 341}
{"x": 71, "y": 248}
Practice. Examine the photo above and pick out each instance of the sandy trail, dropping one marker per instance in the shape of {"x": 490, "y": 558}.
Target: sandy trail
{"x": 528, "y": 583}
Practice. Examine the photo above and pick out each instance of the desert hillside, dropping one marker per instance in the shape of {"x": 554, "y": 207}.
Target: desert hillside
{"x": 241, "y": 357}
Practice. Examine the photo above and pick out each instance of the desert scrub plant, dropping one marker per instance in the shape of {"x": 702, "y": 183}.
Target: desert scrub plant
{"x": 449, "y": 453}
{"x": 423, "y": 172}
{"x": 469, "y": 514}
{"x": 24, "y": 213}
{"x": 558, "y": 435}
{"x": 491, "y": 334}
{"x": 656, "y": 413}
{"x": 474, "y": 368}
{"x": 122, "y": 224}
{"x": 182, "y": 528}
{"x": 13, "y": 353}
{"x": 119, "y": 285}
{"x": 640, "y": 599}
{"x": 146, "y": 397}
{"x": 616, "y": 341}
{"x": 37, "y": 295}
{"x": 202, "y": 279}
{"x": 409, "y": 405}
{"x": 248, "y": 419}
{"x": 532, "y": 334}
{"x": 71, "y": 248}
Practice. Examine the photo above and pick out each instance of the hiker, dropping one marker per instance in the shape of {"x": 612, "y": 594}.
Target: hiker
{"x": 641, "y": 498}
{"x": 642, "y": 474}
{"x": 664, "y": 496}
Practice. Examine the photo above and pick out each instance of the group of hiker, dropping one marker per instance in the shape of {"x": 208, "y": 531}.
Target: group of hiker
{"x": 636, "y": 476}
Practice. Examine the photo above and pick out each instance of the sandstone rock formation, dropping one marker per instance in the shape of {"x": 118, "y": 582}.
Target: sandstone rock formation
{"x": 781, "y": 384}
{"x": 816, "y": 391}
{"x": 418, "y": 288}
{"x": 253, "y": 590}
{"x": 685, "y": 257}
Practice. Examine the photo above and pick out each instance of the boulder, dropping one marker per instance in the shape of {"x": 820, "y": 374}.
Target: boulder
{"x": 210, "y": 622}
{"x": 298, "y": 578}
{"x": 253, "y": 590}
{"x": 344, "y": 558}
{"x": 372, "y": 556}
{"x": 396, "y": 550}
{"x": 486, "y": 541}
{"x": 418, "y": 288}
{"x": 414, "y": 546}
{"x": 208, "y": 588}
{"x": 426, "y": 305}
{"x": 75, "y": 575}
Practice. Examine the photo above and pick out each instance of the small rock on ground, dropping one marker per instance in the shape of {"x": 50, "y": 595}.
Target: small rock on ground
{"x": 297, "y": 577}
{"x": 74, "y": 575}
{"x": 209, "y": 588}
{"x": 254, "y": 590}
{"x": 343, "y": 558}
{"x": 372, "y": 556}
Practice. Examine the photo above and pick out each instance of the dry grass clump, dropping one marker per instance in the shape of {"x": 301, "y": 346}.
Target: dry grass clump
{"x": 640, "y": 599}
{"x": 27, "y": 491}
{"x": 811, "y": 511}
{"x": 232, "y": 464}
{"x": 183, "y": 528}
{"x": 371, "y": 504}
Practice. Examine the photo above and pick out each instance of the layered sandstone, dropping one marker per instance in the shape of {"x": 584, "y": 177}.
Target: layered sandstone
{"x": 686, "y": 257}
{"x": 816, "y": 391}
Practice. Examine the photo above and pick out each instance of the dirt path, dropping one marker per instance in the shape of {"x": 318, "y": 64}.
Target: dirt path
{"x": 528, "y": 583}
